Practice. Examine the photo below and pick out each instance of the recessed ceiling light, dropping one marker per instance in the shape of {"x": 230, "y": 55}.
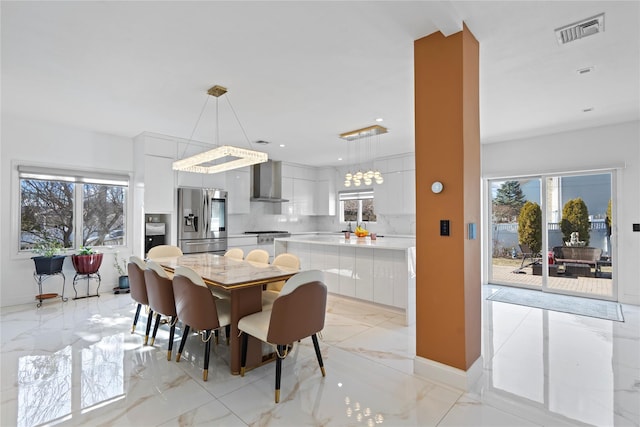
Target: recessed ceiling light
{"x": 588, "y": 109}
{"x": 339, "y": 159}
{"x": 379, "y": 119}
{"x": 282, "y": 145}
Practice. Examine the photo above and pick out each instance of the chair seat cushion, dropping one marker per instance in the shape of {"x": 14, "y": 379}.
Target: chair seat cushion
{"x": 223, "y": 306}
{"x": 268, "y": 297}
{"x": 256, "y": 324}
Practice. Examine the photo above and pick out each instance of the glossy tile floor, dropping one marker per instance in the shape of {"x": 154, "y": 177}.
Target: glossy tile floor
{"x": 76, "y": 363}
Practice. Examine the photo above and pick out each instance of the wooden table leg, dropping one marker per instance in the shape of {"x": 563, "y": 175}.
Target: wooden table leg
{"x": 243, "y": 302}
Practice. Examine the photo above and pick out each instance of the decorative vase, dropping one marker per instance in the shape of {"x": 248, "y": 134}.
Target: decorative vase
{"x": 86, "y": 264}
{"x": 48, "y": 265}
{"x": 123, "y": 282}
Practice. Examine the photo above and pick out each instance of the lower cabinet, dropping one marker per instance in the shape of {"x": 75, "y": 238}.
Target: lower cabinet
{"x": 382, "y": 276}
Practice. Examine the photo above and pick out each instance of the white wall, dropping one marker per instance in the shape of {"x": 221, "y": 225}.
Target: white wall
{"x": 39, "y": 143}
{"x": 614, "y": 147}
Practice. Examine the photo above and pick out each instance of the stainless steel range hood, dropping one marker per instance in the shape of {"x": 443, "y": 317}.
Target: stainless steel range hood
{"x": 266, "y": 182}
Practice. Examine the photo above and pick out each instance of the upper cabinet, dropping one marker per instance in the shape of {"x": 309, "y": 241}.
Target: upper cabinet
{"x": 158, "y": 185}
{"x": 238, "y": 188}
{"x": 310, "y": 191}
{"x": 154, "y": 158}
{"x": 325, "y": 193}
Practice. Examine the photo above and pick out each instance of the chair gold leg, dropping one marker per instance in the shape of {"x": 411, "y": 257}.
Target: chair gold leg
{"x": 133, "y": 328}
{"x": 242, "y": 371}
{"x": 277, "y": 396}
{"x": 322, "y": 370}
{"x": 205, "y": 375}
{"x": 168, "y": 355}
{"x": 178, "y": 357}
{"x": 146, "y": 339}
{"x": 153, "y": 340}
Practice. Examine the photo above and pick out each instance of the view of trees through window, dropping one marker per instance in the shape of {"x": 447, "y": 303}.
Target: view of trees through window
{"x": 48, "y": 206}
{"x": 533, "y": 220}
{"x": 358, "y": 206}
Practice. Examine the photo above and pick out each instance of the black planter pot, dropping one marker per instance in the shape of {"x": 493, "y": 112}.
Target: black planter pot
{"x": 48, "y": 265}
{"x": 123, "y": 282}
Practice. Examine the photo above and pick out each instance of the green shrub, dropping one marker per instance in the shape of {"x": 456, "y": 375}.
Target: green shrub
{"x": 575, "y": 217}
{"x": 530, "y": 226}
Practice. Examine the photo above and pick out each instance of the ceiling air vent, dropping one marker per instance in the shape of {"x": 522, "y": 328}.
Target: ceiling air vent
{"x": 578, "y": 30}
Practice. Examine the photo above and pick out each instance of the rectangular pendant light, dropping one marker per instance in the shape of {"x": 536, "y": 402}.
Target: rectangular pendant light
{"x": 196, "y": 162}
{"x": 244, "y": 157}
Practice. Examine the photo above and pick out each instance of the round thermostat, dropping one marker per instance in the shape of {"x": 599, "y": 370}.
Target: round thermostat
{"x": 436, "y": 187}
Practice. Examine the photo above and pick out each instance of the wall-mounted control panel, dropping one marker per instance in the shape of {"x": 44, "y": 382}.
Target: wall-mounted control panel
{"x": 636, "y": 227}
{"x": 444, "y": 227}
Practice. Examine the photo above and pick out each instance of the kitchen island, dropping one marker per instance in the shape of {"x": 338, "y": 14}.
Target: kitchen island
{"x": 382, "y": 271}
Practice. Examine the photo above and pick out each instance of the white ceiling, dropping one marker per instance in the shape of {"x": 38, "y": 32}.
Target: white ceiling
{"x": 300, "y": 73}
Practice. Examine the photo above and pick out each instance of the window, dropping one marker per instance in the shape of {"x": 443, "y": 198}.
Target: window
{"x": 76, "y": 209}
{"x": 357, "y": 206}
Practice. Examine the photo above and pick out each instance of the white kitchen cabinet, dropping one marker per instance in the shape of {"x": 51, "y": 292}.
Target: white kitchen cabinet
{"x": 287, "y": 208}
{"x": 159, "y": 145}
{"x": 303, "y": 196}
{"x": 382, "y": 272}
{"x": 238, "y": 188}
{"x": 325, "y": 198}
{"x": 158, "y": 184}
{"x": 214, "y": 180}
{"x": 396, "y": 195}
{"x": 409, "y": 191}
{"x": 384, "y": 276}
{"x": 347, "y": 267}
{"x": 364, "y": 274}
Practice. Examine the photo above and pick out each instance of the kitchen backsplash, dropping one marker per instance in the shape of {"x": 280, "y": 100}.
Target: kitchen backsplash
{"x": 265, "y": 217}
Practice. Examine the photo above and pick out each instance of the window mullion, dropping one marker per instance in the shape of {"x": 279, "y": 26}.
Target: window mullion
{"x": 77, "y": 213}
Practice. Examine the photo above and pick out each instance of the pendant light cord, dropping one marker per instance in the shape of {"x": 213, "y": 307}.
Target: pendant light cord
{"x": 204, "y": 106}
{"x": 239, "y": 123}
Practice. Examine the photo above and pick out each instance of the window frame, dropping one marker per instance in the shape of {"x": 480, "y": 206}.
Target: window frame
{"x": 79, "y": 178}
{"x": 359, "y": 195}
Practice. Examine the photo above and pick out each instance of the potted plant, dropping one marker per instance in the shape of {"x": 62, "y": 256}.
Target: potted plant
{"x": 48, "y": 260}
{"x": 86, "y": 261}
{"x": 123, "y": 278}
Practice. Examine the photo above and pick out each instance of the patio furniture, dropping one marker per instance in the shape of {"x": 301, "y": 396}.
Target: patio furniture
{"x": 527, "y": 253}
{"x": 577, "y": 259}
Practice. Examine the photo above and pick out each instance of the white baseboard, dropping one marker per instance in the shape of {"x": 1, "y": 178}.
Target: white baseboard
{"x": 447, "y": 375}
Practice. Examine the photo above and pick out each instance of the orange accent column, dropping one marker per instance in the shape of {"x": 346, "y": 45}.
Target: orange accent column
{"x": 447, "y": 148}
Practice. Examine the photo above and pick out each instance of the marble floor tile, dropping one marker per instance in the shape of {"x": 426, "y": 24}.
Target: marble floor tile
{"x": 76, "y": 363}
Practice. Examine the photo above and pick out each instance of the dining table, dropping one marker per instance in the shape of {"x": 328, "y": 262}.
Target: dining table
{"x": 243, "y": 282}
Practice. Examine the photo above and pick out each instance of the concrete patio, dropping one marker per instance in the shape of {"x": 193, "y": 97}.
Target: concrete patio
{"x": 595, "y": 286}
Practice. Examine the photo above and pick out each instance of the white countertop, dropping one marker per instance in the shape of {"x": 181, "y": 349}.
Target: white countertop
{"x": 364, "y": 242}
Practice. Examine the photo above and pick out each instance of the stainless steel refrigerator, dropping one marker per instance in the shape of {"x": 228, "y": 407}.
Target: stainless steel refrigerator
{"x": 202, "y": 220}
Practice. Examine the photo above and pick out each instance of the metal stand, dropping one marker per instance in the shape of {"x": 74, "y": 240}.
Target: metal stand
{"x": 41, "y": 278}
{"x": 79, "y": 276}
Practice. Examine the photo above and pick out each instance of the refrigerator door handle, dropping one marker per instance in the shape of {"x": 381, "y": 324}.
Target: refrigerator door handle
{"x": 206, "y": 212}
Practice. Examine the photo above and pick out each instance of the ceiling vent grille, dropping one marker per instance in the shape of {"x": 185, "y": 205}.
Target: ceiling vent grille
{"x": 578, "y": 30}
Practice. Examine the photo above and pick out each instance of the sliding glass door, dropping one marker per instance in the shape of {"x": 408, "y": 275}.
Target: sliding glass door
{"x": 554, "y": 233}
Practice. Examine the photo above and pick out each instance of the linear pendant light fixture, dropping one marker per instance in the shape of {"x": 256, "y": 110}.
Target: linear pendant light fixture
{"x": 368, "y": 176}
{"x": 198, "y": 163}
